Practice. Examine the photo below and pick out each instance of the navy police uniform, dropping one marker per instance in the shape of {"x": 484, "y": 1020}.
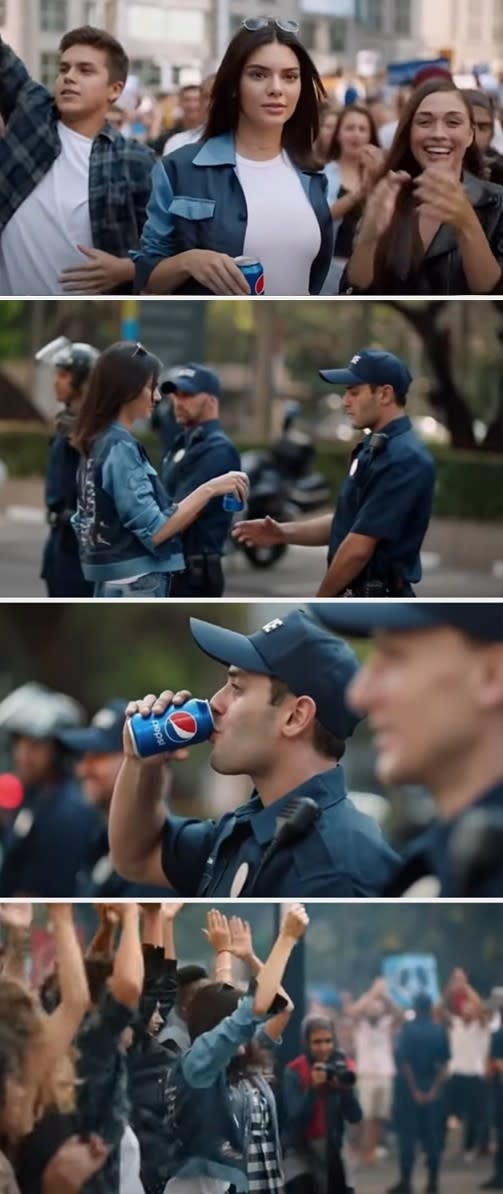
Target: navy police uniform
{"x": 495, "y": 1182}
{"x": 388, "y": 493}
{"x": 310, "y": 842}
{"x": 465, "y": 853}
{"x": 49, "y": 841}
{"x": 342, "y": 853}
{"x": 198, "y": 455}
{"x": 424, "y": 1047}
{"x": 61, "y": 568}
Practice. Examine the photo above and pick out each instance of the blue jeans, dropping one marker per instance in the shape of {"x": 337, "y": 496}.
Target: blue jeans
{"x": 153, "y": 584}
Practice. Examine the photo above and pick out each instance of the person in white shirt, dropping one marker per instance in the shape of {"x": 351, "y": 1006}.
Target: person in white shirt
{"x": 189, "y": 136}
{"x": 467, "y": 1095}
{"x": 376, "y": 1018}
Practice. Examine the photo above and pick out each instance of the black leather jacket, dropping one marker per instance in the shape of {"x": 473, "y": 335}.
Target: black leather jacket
{"x": 441, "y": 269}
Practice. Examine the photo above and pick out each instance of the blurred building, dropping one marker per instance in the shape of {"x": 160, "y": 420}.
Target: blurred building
{"x": 171, "y": 41}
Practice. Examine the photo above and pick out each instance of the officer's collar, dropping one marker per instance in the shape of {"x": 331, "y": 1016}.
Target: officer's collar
{"x": 326, "y": 788}
{"x": 398, "y": 426}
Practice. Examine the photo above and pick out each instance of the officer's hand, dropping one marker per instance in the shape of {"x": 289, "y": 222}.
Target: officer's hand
{"x": 295, "y": 923}
{"x": 259, "y": 532}
{"x": 318, "y": 1074}
{"x": 234, "y": 482}
{"x": 158, "y": 705}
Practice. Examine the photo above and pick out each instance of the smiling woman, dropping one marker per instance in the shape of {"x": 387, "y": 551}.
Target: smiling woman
{"x": 251, "y": 187}
{"x": 431, "y": 225}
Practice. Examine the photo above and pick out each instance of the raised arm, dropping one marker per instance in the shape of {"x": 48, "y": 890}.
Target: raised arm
{"x": 217, "y": 932}
{"x": 241, "y": 943}
{"x": 62, "y": 1025}
{"x": 126, "y": 983}
{"x": 16, "y": 917}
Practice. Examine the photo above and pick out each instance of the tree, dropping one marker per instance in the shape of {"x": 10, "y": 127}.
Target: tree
{"x": 448, "y": 400}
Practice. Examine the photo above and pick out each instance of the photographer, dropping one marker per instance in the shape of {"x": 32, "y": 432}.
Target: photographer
{"x": 318, "y": 1098}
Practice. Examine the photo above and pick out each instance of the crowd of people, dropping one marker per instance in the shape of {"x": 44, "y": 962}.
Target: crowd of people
{"x": 125, "y": 1073}
{"x": 262, "y": 166}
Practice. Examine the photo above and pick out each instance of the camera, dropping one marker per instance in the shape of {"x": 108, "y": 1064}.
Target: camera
{"x": 338, "y": 1068}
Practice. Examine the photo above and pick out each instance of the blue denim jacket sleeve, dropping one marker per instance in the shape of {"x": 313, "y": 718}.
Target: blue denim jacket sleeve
{"x": 212, "y": 1051}
{"x": 126, "y": 478}
{"x": 157, "y": 235}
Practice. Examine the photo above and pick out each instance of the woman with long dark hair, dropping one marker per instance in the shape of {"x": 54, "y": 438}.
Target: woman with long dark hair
{"x": 354, "y": 161}
{"x": 250, "y": 187}
{"x": 431, "y": 225}
{"x": 221, "y": 1109}
{"x": 126, "y": 524}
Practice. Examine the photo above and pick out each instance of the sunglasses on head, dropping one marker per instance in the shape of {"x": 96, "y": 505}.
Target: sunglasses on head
{"x": 254, "y": 23}
{"x": 139, "y": 351}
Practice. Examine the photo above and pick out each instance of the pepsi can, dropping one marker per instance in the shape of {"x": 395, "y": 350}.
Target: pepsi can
{"x": 179, "y": 726}
{"x": 232, "y": 504}
{"x": 253, "y": 271}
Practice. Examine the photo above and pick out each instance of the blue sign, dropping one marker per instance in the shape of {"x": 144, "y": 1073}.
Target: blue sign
{"x": 410, "y": 975}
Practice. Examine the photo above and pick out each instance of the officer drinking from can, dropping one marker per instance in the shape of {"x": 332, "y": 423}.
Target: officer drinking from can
{"x": 433, "y": 692}
{"x": 61, "y": 568}
{"x": 200, "y": 452}
{"x": 384, "y": 505}
{"x": 281, "y": 719}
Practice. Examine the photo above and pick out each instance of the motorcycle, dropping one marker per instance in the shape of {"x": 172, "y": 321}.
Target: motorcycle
{"x": 283, "y": 484}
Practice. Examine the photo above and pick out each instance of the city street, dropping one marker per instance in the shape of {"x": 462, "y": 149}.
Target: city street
{"x": 456, "y": 1176}
{"x": 296, "y": 575}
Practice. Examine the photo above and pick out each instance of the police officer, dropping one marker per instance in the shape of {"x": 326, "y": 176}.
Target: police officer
{"x": 53, "y": 829}
{"x": 97, "y": 750}
{"x": 422, "y": 1057}
{"x": 60, "y": 563}
{"x": 384, "y": 505}
{"x": 201, "y": 451}
{"x": 433, "y": 691}
{"x": 495, "y": 1181}
{"x": 281, "y": 719}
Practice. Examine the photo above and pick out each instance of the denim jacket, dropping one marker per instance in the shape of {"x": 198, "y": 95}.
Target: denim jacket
{"x": 197, "y": 202}
{"x": 208, "y": 1118}
{"x": 121, "y": 506}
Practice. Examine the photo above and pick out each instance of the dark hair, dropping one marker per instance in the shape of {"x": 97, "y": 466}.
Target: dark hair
{"x": 315, "y": 1023}
{"x": 334, "y": 149}
{"x": 190, "y": 974}
{"x": 99, "y": 39}
{"x": 210, "y": 1005}
{"x": 118, "y": 377}
{"x": 302, "y": 128}
{"x": 324, "y": 742}
{"x": 402, "y": 241}
{"x": 479, "y": 99}
{"x": 98, "y": 971}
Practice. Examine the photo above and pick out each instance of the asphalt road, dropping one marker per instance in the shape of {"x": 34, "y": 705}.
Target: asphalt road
{"x": 296, "y": 575}
{"x": 455, "y": 1177}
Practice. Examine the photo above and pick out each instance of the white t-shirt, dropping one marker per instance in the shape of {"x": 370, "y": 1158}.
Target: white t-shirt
{"x": 129, "y": 1164}
{"x": 374, "y": 1048}
{"x": 41, "y": 238}
{"x": 469, "y": 1047}
{"x": 184, "y": 138}
{"x": 282, "y": 230}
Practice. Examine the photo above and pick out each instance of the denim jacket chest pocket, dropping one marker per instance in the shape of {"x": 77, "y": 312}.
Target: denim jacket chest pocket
{"x": 193, "y": 222}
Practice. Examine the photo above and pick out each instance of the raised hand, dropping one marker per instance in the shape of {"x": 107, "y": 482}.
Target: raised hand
{"x": 171, "y": 908}
{"x": 381, "y": 205}
{"x": 241, "y": 938}
{"x": 217, "y": 931}
{"x": 295, "y": 922}
{"x": 16, "y": 915}
{"x": 157, "y": 705}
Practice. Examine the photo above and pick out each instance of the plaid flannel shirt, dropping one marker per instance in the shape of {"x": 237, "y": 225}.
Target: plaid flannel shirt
{"x": 119, "y": 171}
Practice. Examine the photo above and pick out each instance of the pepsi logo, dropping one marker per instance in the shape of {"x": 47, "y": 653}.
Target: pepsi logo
{"x": 180, "y": 726}
{"x": 260, "y": 285}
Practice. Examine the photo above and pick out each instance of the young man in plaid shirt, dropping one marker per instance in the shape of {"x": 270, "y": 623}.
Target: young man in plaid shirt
{"x": 73, "y": 191}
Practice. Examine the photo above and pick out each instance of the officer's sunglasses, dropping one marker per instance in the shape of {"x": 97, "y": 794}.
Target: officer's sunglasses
{"x": 252, "y": 24}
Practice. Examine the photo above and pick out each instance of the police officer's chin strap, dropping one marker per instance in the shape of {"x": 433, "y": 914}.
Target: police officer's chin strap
{"x": 292, "y": 823}
{"x": 476, "y": 850}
